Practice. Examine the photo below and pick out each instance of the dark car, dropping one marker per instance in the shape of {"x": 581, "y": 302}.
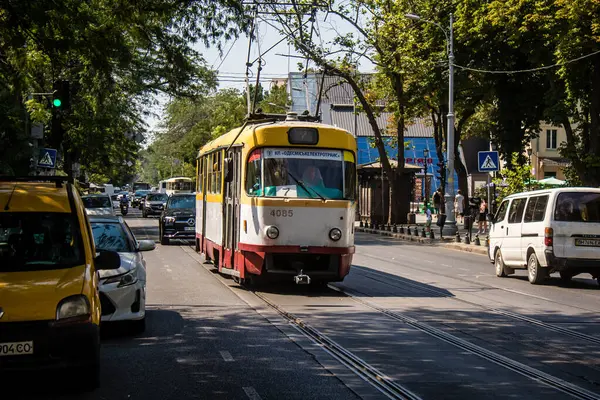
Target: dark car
{"x": 178, "y": 220}
{"x": 138, "y": 198}
{"x": 154, "y": 203}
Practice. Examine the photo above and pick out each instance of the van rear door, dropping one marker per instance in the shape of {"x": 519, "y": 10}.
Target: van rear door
{"x": 576, "y": 224}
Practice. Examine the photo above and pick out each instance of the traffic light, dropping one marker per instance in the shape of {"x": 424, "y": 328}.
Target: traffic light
{"x": 62, "y": 96}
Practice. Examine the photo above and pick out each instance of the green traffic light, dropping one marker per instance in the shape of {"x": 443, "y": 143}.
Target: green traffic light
{"x": 56, "y": 102}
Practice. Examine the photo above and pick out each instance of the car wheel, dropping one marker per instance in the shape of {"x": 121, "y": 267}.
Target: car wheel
{"x": 536, "y": 274}
{"x": 565, "y": 276}
{"x": 499, "y": 263}
{"x": 139, "y": 326}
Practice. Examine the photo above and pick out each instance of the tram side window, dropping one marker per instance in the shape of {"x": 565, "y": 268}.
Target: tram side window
{"x": 199, "y": 187}
{"x": 254, "y": 173}
{"x": 349, "y": 176}
{"x": 218, "y": 172}
{"x": 209, "y": 174}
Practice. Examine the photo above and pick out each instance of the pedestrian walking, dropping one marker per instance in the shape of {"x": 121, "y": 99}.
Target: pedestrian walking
{"x": 483, "y": 211}
{"x": 437, "y": 201}
{"x": 459, "y": 206}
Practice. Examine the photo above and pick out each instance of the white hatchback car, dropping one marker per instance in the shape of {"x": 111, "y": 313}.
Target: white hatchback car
{"x": 546, "y": 231}
{"x": 98, "y": 204}
{"x": 122, "y": 291}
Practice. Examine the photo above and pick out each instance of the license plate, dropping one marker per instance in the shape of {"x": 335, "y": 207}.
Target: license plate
{"x": 16, "y": 348}
{"x": 587, "y": 242}
{"x": 189, "y": 228}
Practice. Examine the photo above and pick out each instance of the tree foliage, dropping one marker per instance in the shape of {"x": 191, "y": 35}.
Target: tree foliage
{"x": 116, "y": 56}
{"x": 191, "y": 123}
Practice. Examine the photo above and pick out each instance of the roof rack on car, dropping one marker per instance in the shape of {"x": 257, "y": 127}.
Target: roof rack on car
{"x": 59, "y": 180}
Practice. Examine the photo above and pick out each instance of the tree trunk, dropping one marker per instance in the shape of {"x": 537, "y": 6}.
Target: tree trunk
{"x": 592, "y": 171}
{"x": 400, "y": 198}
{"x": 398, "y": 205}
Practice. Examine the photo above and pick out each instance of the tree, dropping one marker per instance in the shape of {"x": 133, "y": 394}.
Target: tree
{"x": 116, "y": 55}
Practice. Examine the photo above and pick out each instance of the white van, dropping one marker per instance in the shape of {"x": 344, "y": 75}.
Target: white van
{"x": 546, "y": 231}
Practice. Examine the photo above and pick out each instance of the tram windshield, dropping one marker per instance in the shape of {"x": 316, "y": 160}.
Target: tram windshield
{"x": 302, "y": 173}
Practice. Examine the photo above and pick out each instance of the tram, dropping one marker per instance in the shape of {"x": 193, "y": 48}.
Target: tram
{"x": 276, "y": 201}
{"x": 176, "y": 185}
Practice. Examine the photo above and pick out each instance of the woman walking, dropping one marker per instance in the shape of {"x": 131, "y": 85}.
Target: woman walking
{"x": 459, "y": 206}
{"x": 483, "y": 210}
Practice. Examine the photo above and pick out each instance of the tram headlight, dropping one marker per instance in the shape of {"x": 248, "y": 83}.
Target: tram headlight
{"x": 335, "y": 234}
{"x": 272, "y": 232}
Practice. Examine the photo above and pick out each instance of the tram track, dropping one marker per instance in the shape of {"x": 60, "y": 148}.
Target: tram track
{"x": 360, "y": 367}
{"x": 505, "y": 313}
{"x": 393, "y": 390}
{"x": 513, "y": 365}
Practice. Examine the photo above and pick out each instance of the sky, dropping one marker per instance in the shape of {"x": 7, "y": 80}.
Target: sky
{"x": 231, "y": 65}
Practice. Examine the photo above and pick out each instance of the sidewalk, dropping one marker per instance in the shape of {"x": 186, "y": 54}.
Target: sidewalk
{"x": 416, "y": 237}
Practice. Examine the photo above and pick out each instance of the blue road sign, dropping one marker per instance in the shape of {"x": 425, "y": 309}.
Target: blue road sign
{"x": 47, "y": 158}
{"x": 488, "y": 161}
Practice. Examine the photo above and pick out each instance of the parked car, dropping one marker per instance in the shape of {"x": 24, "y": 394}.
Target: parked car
{"x": 122, "y": 291}
{"x": 546, "y": 231}
{"x": 154, "y": 204}
{"x": 98, "y": 204}
{"x": 178, "y": 221}
{"x": 115, "y": 201}
{"x": 50, "y": 305}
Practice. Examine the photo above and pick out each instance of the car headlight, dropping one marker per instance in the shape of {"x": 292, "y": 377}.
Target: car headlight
{"x": 272, "y": 232}
{"x": 169, "y": 220}
{"x": 335, "y": 234}
{"x": 74, "y": 306}
{"x": 124, "y": 280}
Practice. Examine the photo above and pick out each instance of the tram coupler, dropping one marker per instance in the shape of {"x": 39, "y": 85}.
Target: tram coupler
{"x": 302, "y": 279}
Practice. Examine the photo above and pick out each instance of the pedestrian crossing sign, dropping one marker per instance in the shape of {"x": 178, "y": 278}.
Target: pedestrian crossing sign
{"x": 488, "y": 161}
{"x": 47, "y": 158}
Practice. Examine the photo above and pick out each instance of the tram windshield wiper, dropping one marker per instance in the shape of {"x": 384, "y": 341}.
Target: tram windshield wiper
{"x": 303, "y": 186}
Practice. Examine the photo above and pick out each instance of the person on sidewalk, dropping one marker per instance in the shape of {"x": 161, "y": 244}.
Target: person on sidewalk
{"x": 437, "y": 200}
{"x": 483, "y": 210}
{"x": 459, "y": 206}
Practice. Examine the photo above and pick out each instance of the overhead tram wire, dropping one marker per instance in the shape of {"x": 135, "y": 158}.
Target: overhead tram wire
{"x": 226, "y": 55}
{"x": 519, "y": 71}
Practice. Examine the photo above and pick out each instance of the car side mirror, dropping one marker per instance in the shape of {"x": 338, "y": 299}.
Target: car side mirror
{"x": 107, "y": 260}
{"x": 491, "y": 218}
{"x": 146, "y": 245}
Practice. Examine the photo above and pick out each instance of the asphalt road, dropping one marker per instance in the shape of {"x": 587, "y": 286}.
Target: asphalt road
{"x": 449, "y": 329}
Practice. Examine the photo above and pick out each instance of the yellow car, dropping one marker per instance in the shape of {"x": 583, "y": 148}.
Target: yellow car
{"x": 49, "y": 300}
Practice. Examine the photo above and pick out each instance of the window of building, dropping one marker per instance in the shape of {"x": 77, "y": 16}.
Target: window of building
{"x": 551, "y": 139}
{"x": 549, "y": 174}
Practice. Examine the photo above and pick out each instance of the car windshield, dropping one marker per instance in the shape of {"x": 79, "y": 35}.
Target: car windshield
{"x": 578, "y": 207}
{"x": 96, "y": 202}
{"x": 141, "y": 193}
{"x": 110, "y": 236}
{"x": 39, "y": 240}
{"x": 182, "y": 202}
{"x": 157, "y": 197}
{"x": 304, "y": 173}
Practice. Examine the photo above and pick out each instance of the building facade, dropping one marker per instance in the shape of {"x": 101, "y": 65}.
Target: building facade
{"x": 545, "y": 159}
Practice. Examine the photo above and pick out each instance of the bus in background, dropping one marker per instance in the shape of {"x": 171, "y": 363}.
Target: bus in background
{"x": 140, "y": 186}
{"x": 178, "y": 184}
{"x": 162, "y": 186}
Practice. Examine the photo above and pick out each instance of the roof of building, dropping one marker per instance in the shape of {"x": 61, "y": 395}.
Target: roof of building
{"x": 343, "y": 116}
{"x": 555, "y": 161}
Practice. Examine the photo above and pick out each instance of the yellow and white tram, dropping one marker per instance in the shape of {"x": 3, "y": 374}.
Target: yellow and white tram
{"x": 276, "y": 199}
{"x": 178, "y": 184}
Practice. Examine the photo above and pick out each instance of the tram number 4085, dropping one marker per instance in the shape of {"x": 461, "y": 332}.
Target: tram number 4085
{"x": 282, "y": 213}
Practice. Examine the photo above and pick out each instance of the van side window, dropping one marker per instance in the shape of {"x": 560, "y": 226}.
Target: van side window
{"x": 502, "y": 211}
{"x": 530, "y": 209}
{"x": 540, "y": 209}
{"x": 515, "y": 214}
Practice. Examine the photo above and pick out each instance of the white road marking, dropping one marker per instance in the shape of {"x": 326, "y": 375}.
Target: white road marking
{"x": 167, "y": 268}
{"x": 463, "y": 269}
{"x": 447, "y": 265}
{"x": 226, "y": 356}
{"x": 251, "y": 393}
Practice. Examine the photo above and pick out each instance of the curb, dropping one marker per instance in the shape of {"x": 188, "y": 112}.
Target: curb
{"x": 482, "y": 250}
